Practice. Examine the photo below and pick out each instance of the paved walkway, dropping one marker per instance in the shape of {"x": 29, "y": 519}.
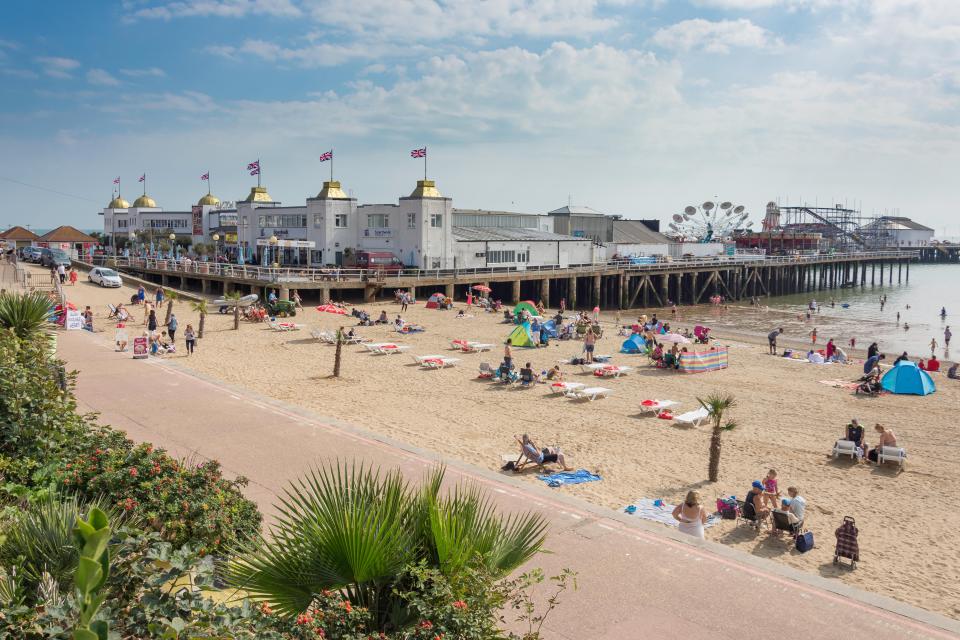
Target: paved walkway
{"x": 636, "y": 579}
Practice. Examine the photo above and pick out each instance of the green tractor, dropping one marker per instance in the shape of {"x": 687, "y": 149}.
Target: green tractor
{"x": 281, "y": 308}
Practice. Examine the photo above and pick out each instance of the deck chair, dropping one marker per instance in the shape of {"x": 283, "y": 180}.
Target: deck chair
{"x": 561, "y": 388}
{"x": 438, "y": 363}
{"x": 892, "y": 454}
{"x": 747, "y": 515}
{"x": 486, "y": 371}
{"x": 113, "y": 311}
{"x": 589, "y": 393}
{"x": 657, "y": 407}
{"x": 846, "y": 448}
{"x": 693, "y": 418}
{"x": 781, "y": 522}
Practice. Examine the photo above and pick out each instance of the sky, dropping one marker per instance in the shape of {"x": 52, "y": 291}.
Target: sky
{"x": 632, "y": 107}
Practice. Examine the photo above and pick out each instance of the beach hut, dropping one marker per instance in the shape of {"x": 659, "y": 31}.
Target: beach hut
{"x": 634, "y": 344}
{"x": 550, "y": 328}
{"x": 527, "y": 306}
{"x": 907, "y": 378}
{"x": 521, "y": 336}
{"x": 434, "y": 301}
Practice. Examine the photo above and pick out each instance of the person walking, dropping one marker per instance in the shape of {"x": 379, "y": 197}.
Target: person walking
{"x": 772, "y": 340}
{"x": 62, "y": 273}
{"x": 947, "y": 334}
{"x": 172, "y": 327}
{"x": 73, "y": 276}
{"x": 159, "y": 297}
{"x": 152, "y": 321}
{"x": 141, "y": 294}
{"x": 404, "y": 301}
{"x": 190, "y": 338}
{"x": 933, "y": 347}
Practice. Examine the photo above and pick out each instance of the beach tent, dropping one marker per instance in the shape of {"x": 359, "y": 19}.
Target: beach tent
{"x": 634, "y": 344}
{"x": 435, "y": 301}
{"x": 527, "y": 306}
{"x": 907, "y": 378}
{"x": 550, "y": 328}
{"x": 521, "y": 336}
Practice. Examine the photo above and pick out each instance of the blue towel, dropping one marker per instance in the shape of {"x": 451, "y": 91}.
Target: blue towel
{"x": 572, "y": 477}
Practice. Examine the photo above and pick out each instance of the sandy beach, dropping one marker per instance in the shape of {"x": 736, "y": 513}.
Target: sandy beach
{"x": 788, "y": 420}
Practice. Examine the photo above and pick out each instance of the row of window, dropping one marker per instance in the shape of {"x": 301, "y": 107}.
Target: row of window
{"x": 382, "y": 220}
{"x": 165, "y": 224}
{"x": 501, "y": 257}
{"x": 283, "y": 220}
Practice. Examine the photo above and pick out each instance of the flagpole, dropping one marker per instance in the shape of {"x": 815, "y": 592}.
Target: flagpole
{"x": 259, "y": 171}
{"x": 424, "y": 163}
{"x": 209, "y": 188}
{"x": 144, "y": 183}
{"x": 331, "y": 164}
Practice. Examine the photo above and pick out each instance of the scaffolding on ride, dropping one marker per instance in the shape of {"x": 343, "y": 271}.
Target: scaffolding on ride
{"x": 842, "y": 228}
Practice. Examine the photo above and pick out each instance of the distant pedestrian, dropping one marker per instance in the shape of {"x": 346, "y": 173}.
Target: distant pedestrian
{"x": 898, "y": 317}
{"x": 297, "y": 301}
{"x": 62, "y": 273}
{"x": 152, "y": 321}
{"x": 563, "y": 305}
{"x": 813, "y": 336}
{"x": 933, "y": 347}
{"x": 73, "y": 276}
{"x": 404, "y": 301}
{"x": 947, "y": 334}
{"x": 853, "y": 343}
{"x": 596, "y": 314}
{"x": 190, "y": 338}
{"x": 589, "y": 342}
{"x": 772, "y": 340}
{"x": 158, "y": 296}
{"x": 141, "y": 295}
{"x": 172, "y": 327}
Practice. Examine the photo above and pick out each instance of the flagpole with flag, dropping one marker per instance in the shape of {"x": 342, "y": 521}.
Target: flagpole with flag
{"x": 424, "y": 163}
{"x": 327, "y": 156}
{"x": 331, "y": 164}
{"x": 258, "y": 172}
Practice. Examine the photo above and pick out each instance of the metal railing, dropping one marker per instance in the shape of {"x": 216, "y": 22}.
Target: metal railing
{"x": 294, "y": 274}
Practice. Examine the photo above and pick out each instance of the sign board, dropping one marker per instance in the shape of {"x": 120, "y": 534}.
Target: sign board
{"x": 74, "y": 320}
{"x": 230, "y": 237}
{"x": 140, "y": 347}
{"x": 378, "y": 233}
{"x": 287, "y": 244}
{"x": 197, "y": 212}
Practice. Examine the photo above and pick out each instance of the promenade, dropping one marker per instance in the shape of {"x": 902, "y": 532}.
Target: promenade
{"x": 636, "y": 580}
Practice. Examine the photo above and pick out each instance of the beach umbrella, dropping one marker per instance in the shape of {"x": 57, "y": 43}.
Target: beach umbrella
{"x": 481, "y": 287}
{"x": 674, "y": 337}
{"x": 329, "y": 308}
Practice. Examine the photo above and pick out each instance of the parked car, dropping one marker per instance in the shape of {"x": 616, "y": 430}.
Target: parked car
{"x": 53, "y": 257}
{"x": 104, "y": 277}
{"x": 30, "y": 254}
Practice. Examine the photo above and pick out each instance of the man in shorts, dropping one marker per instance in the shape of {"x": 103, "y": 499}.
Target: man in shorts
{"x": 772, "y": 339}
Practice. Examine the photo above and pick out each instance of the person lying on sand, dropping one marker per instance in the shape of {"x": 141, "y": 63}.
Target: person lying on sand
{"x": 531, "y": 454}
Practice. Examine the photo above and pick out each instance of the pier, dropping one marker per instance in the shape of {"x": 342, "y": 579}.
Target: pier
{"x": 610, "y": 286}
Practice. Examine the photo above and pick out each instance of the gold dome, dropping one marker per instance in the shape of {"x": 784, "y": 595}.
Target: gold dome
{"x": 118, "y": 203}
{"x": 209, "y": 199}
{"x": 426, "y": 189}
{"x": 258, "y": 194}
{"x": 332, "y": 191}
{"x": 145, "y": 202}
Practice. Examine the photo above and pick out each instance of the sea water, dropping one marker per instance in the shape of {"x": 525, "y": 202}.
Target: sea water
{"x": 919, "y": 301}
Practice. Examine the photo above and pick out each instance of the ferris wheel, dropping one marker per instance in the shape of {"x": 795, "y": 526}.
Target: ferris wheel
{"x": 710, "y": 222}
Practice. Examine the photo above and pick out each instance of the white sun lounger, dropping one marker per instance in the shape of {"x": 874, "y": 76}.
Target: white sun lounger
{"x": 561, "y": 388}
{"x": 612, "y": 371}
{"x": 373, "y": 346}
{"x": 387, "y": 349}
{"x": 892, "y": 454}
{"x": 476, "y": 347}
{"x": 438, "y": 362}
{"x": 590, "y": 367}
{"x": 589, "y": 393}
{"x": 845, "y": 448}
{"x": 283, "y": 326}
{"x": 693, "y": 418}
{"x": 657, "y": 407}
{"x": 420, "y": 359}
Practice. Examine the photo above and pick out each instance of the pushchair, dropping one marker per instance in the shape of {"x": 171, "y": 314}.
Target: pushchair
{"x": 869, "y": 387}
{"x": 847, "y": 545}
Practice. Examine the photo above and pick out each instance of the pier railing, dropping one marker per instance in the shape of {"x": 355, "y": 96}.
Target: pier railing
{"x": 295, "y": 274}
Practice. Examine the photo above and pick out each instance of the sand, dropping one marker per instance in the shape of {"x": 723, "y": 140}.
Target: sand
{"x": 786, "y": 418}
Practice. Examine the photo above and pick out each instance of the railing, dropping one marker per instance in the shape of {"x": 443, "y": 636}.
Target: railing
{"x": 295, "y": 274}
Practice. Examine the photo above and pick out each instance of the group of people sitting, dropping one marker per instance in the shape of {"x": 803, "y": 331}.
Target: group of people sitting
{"x": 364, "y": 319}
{"x": 663, "y": 358}
{"x": 855, "y": 433}
{"x": 764, "y": 500}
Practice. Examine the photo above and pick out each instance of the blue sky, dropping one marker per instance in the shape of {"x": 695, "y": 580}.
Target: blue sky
{"x": 637, "y": 107}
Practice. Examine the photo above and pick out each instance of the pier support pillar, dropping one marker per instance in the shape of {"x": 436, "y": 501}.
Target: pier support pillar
{"x": 596, "y": 291}
{"x": 227, "y": 287}
{"x": 369, "y": 293}
{"x": 448, "y": 290}
{"x": 205, "y": 286}
{"x": 284, "y": 293}
{"x": 324, "y": 295}
{"x": 516, "y": 291}
{"x": 899, "y": 271}
{"x": 664, "y": 288}
{"x": 621, "y": 290}
{"x": 545, "y": 292}
{"x": 165, "y": 280}
{"x": 891, "y": 273}
{"x": 908, "y": 271}
{"x": 572, "y": 293}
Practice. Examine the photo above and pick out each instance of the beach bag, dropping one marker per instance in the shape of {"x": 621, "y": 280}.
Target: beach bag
{"x": 805, "y": 541}
{"x": 727, "y": 508}
{"x": 509, "y": 466}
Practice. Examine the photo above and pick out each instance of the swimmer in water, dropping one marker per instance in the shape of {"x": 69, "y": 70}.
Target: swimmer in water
{"x": 906, "y": 326}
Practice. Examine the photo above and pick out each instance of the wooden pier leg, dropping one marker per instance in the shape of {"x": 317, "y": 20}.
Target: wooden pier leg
{"x": 664, "y": 287}
{"x": 572, "y": 293}
{"x": 324, "y": 295}
{"x": 596, "y": 290}
{"x": 908, "y": 271}
{"x": 516, "y": 291}
{"x": 448, "y": 290}
{"x": 204, "y": 286}
{"x": 899, "y": 271}
{"x": 284, "y": 293}
{"x": 545, "y": 292}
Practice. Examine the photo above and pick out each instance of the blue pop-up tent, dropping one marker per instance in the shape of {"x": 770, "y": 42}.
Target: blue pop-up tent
{"x": 907, "y": 378}
{"x": 550, "y": 328}
{"x": 633, "y": 344}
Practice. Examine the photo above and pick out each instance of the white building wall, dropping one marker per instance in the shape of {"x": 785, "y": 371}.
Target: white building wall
{"x": 907, "y": 238}
{"x": 538, "y": 253}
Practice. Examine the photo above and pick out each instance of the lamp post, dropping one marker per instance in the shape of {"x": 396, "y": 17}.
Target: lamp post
{"x": 133, "y": 238}
{"x": 173, "y": 245}
{"x": 216, "y": 245}
{"x": 273, "y": 246}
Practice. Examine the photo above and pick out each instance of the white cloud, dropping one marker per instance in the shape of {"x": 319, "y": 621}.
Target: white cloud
{"x": 17, "y": 73}
{"x": 101, "y": 78}
{"x": 217, "y": 8}
{"x": 312, "y": 55}
{"x": 714, "y": 37}
{"x": 154, "y": 72}
{"x": 56, "y": 67}
{"x": 752, "y": 5}
{"x": 8, "y": 44}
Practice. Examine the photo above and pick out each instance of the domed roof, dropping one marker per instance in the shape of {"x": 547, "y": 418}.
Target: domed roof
{"x": 118, "y": 203}
{"x": 332, "y": 191}
{"x": 258, "y": 194}
{"x": 209, "y": 199}
{"x": 145, "y": 202}
{"x": 426, "y": 189}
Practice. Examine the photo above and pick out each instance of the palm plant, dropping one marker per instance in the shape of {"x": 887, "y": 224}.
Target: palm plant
{"x": 170, "y": 297}
{"x": 337, "y": 354}
{"x": 716, "y": 405}
{"x": 26, "y": 314}
{"x": 234, "y": 297}
{"x": 349, "y": 528}
{"x": 200, "y": 307}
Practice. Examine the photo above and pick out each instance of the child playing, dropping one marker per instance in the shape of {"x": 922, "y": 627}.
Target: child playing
{"x": 770, "y": 491}
{"x": 853, "y": 343}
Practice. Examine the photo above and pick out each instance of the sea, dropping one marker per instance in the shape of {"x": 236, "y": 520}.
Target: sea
{"x": 855, "y": 313}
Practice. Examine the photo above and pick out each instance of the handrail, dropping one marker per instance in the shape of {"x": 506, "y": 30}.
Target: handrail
{"x": 295, "y": 274}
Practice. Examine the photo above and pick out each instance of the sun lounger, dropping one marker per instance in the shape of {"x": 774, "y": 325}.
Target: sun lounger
{"x": 420, "y": 359}
{"x": 373, "y": 346}
{"x": 612, "y": 371}
{"x": 589, "y": 393}
{"x": 892, "y": 454}
{"x": 590, "y": 367}
{"x": 283, "y": 326}
{"x": 846, "y": 448}
{"x": 438, "y": 362}
{"x": 387, "y": 349}
{"x": 486, "y": 371}
{"x": 657, "y": 406}
{"x": 693, "y": 418}
{"x": 562, "y": 388}
{"x": 476, "y": 347}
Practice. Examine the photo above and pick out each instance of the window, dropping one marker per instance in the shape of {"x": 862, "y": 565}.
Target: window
{"x": 165, "y": 224}
{"x": 316, "y": 257}
{"x": 523, "y": 256}
{"x": 317, "y": 220}
{"x": 340, "y": 221}
{"x": 436, "y": 220}
{"x": 500, "y": 257}
{"x": 377, "y": 221}
{"x": 411, "y": 221}
{"x": 271, "y": 221}
{"x": 121, "y": 223}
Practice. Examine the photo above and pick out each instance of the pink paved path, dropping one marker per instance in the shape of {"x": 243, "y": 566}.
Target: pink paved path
{"x": 636, "y": 579}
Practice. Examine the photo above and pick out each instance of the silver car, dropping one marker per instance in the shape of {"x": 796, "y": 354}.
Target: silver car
{"x": 104, "y": 277}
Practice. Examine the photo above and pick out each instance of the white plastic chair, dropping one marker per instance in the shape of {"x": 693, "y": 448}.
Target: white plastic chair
{"x": 845, "y": 448}
{"x": 892, "y": 454}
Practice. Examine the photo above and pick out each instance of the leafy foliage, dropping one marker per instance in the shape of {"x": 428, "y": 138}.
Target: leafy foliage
{"x": 717, "y": 405}
{"x": 26, "y": 314}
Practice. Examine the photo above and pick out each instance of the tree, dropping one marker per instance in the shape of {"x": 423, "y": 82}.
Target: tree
{"x": 170, "y": 296}
{"x": 234, "y": 298}
{"x": 26, "y": 314}
{"x": 336, "y": 355}
{"x": 350, "y": 528}
{"x": 716, "y": 405}
{"x": 201, "y": 308}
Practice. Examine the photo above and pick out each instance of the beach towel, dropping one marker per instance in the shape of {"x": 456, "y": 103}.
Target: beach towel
{"x": 841, "y": 384}
{"x": 646, "y": 509}
{"x": 569, "y": 477}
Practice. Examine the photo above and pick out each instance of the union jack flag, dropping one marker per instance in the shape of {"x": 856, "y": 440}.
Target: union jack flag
{"x": 143, "y": 178}
{"x": 116, "y": 180}
{"x": 254, "y": 168}
{"x": 326, "y": 156}
{"x": 419, "y": 153}
{"x": 205, "y": 176}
